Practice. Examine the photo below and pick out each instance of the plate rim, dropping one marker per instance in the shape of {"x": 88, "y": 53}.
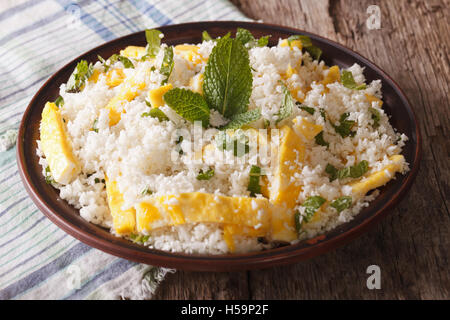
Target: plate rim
{"x": 229, "y": 262}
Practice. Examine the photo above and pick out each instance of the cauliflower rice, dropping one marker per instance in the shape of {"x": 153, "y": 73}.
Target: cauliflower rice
{"x": 146, "y": 159}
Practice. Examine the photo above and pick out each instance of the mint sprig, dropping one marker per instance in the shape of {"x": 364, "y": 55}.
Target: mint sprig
{"x": 248, "y": 40}
{"x": 188, "y": 104}
{"x": 228, "y": 78}
{"x": 242, "y": 119}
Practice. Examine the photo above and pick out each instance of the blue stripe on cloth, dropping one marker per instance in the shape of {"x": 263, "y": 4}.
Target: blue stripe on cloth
{"x": 23, "y": 232}
{"x": 12, "y": 205}
{"x": 116, "y": 269}
{"x": 125, "y": 21}
{"x": 22, "y": 262}
{"x": 151, "y": 11}
{"x": 23, "y": 89}
{"x": 43, "y": 273}
{"x": 189, "y": 9}
{"x": 21, "y": 7}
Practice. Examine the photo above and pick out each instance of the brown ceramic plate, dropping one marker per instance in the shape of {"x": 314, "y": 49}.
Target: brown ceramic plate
{"x": 68, "y": 218}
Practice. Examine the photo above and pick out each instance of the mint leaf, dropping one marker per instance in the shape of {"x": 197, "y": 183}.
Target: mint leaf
{"x": 206, "y": 36}
{"x": 153, "y": 42}
{"x": 167, "y": 64}
{"x": 314, "y": 52}
{"x": 345, "y": 126}
{"x": 227, "y": 84}
{"x": 80, "y": 74}
{"x": 48, "y": 176}
{"x": 59, "y": 102}
{"x": 126, "y": 62}
{"x": 312, "y": 204}
{"x": 188, "y": 104}
{"x": 376, "y": 117}
{"x": 355, "y": 171}
{"x": 205, "y": 175}
{"x": 341, "y": 203}
{"x": 253, "y": 184}
{"x": 94, "y": 126}
{"x": 146, "y": 191}
{"x": 156, "y": 113}
{"x": 139, "y": 238}
{"x": 320, "y": 140}
{"x": 242, "y": 119}
{"x": 305, "y": 108}
{"x": 306, "y": 41}
{"x": 247, "y": 39}
{"x": 298, "y": 224}
{"x": 287, "y": 105}
{"x": 244, "y": 36}
{"x": 349, "y": 82}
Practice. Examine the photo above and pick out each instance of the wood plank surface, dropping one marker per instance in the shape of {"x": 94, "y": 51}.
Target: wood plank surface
{"x": 412, "y": 245}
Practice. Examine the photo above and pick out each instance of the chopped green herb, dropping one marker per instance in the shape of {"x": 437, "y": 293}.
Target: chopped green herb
{"x": 98, "y": 180}
{"x": 227, "y": 84}
{"x": 126, "y": 62}
{"x": 287, "y": 105}
{"x": 139, "y": 238}
{"x": 266, "y": 123}
{"x": 349, "y": 82}
{"x": 206, "y": 36}
{"x": 82, "y": 72}
{"x": 48, "y": 176}
{"x": 320, "y": 140}
{"x": 315, "y": 52}
{"x": 376, "y": 117}
{"x": 242, "y": 119}
{"x": 167, "y": 64}
{"x": 59, "y": 102}
{"x": 205, "y": 175}
{"x": 188, "y": 104}
{"x": 323, "y": 114}
{"x": 345, "y": 126}
{"x": 146, "y": 192}
{"x": 247, "y": 39}
{"x": 298, "y": 224}
{"x": 153, "y": 42}
{"x": 311, "y": 204}
{"x": 341, "y": 203}
{"x": 305, "y": 108}
{"x": 156, "y": 113}
{"x": 355, "y": 171}
{"x": 253, "y": 184}
{"x": 179, "y": 140}
{"x": 239, "y": 143}
{"x": 94, "y": 126}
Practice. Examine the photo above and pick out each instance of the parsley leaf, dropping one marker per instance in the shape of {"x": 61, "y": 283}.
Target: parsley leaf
{"x": 167, "y": 64}
{"x": 156, "y": 113}
{"x": 253, "y": 184}
{"x": 287, "y": 105}
{"x": 153, "y": 42}
{"x": 82, "y": 72}
{"x": 227, "y": 84}
{"x": 345, "y": 126}
{"x": 241, "y": 119}
{"x": 320, "y": 140}
{"x": 205, "y": 175}
{"x": 349, "y": 82}
{"x": 188, "y": 104}
{"x": 341, "y": 203}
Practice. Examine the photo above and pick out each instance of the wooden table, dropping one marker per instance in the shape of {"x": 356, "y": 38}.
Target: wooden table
{"x": 412, "y": 245}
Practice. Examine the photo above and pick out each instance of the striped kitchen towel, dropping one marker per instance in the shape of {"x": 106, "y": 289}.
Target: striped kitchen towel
{"x": 38, "y": 260}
